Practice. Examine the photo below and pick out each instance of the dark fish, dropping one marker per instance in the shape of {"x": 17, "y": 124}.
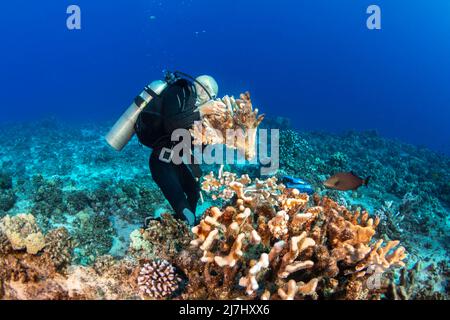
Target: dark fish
{"x": 345, "y": 181}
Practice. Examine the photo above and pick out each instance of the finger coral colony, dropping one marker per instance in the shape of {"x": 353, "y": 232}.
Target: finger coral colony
{"x": 239, "y": 117}
{"x": 85, "y": 237}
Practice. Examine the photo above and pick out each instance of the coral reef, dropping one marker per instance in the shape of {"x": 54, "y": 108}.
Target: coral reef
{"x": 34, "y": 277}
{"x": 26, "y": 275}
{"x": 6, "y": 181}
{"x": 410, "y": 287}
{"x": 405, "y": 190}
{"x": 7, "y": 200}
{"x": 59, "y": 246}
{"x": 5, "y": 245}
{"x": 259, "y": 240}
{"x": 399, "y": 172}
{"x": 327, "y": 252}
{"x": 8, "y": 196}
{"x": 93, "y": 235}
{"x": 47, "y": 199}
{"x": 305, "y": 246}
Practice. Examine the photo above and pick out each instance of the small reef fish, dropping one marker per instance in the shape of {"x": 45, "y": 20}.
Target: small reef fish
{"x": 297, "y": 183}
{"x": 345, "y": 181}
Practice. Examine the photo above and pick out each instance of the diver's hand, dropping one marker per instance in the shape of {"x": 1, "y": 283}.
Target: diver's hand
{"x": 212, "y": 108}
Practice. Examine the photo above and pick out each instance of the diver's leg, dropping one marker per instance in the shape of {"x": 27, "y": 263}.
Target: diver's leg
{"x": 190, "y": 186}
{"x": 166, "y": 176}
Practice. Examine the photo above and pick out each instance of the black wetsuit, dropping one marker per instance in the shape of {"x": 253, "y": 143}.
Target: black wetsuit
{"x": 177, "y": 182}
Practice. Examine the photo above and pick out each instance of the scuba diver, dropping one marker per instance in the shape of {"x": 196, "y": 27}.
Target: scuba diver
{"x": 162, "y": 108}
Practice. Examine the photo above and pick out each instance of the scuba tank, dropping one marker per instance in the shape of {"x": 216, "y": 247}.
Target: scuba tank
{"x": 124, "y": 129}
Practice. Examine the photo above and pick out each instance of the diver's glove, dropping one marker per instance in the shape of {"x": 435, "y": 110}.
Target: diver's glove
{"x": 212, "y": 107}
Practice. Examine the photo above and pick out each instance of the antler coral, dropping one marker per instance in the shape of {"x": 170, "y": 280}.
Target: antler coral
{"x": 243, "y": 114}
{"x": 299, "y": 238}
{"x": 239, "y": 117}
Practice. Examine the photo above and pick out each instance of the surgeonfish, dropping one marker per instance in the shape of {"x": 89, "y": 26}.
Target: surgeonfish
{"x": 345, "y": 181}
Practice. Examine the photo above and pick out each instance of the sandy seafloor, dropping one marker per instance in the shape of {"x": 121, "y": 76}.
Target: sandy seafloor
{"x": 66, "y": 174}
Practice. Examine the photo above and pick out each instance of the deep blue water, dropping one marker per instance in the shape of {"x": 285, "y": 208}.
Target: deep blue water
{"x": 312, "y": 61}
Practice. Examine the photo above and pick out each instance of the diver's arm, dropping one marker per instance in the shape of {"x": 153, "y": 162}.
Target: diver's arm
{"x": 187, "y": 118}
{"x": 180, "y": 116}
{"x": 184, "y": 120}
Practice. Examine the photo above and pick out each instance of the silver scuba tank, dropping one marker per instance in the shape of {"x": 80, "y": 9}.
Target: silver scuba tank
{"x": 123, "y": 130}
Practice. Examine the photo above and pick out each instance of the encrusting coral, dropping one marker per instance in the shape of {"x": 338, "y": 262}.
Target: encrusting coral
{"x": 306, "y": 247}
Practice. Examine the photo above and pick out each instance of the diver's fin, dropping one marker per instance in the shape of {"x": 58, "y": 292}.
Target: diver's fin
{"x": 190, "y": 217}
{"x": 366, "y": 181}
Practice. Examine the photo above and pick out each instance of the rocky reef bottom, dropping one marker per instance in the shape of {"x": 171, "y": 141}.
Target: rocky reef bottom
{"x": 72, "y": 215}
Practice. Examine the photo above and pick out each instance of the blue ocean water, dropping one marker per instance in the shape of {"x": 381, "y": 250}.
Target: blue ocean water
{"x": 312, "y": 61}
{"x": 372, "y": 102}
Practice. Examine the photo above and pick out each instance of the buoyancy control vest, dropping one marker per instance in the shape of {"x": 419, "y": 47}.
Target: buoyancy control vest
{"x": 156, "y": 122}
